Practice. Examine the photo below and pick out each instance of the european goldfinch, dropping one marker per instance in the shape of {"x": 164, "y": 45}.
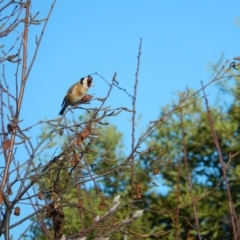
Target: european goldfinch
{"x": 76, "y": 93}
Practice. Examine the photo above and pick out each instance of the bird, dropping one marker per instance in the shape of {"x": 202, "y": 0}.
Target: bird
{"x": 76, "y": 93}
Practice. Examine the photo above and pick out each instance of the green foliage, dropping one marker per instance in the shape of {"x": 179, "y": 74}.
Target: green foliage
{"x": 209, "y": 189}
{"x": 169, "y": 215}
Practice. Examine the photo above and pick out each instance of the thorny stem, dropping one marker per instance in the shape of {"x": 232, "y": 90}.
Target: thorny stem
{"x": 133, "y": 119}
{"x": 234, "y": 219}
{"x": 4, "y": 227}
{"x": 24, "y": 66}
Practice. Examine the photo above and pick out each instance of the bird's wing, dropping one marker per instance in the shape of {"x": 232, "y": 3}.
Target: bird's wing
{"x": 71, "y": 89}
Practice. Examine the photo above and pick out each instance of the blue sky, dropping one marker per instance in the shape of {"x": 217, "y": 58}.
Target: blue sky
{"x": 180, "y": 38}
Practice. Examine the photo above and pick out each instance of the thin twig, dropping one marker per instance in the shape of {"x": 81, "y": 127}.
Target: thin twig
{"x": 233, "y": 215}
{"x": 134, "y": 121}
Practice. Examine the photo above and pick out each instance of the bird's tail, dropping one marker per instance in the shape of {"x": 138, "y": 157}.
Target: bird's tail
{"x": 63, "y": 109}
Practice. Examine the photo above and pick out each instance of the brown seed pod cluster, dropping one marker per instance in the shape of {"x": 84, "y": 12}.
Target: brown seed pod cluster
{"x": 6, "y": 144}
{"x": 80, "y": 202}
{"x": 75, "y": 160}
{"x": 86, "y": 98}
{"x": 40, "y": 196}
{"x": 82, "y": 135}
{"x": 139, "y": 190}
{"x": 102, "y": 205}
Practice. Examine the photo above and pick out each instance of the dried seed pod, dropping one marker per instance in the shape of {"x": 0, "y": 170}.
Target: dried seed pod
{"x": 40, "y": 196}
{"x": 80, "y": 202}
{"x": 86, "y": 98}
{"x": 79, "y": 139}
{"x": 156, "y": 171}
{"x": 17, "y": 211}
{"x": 60, "y": 132}
{"x": 139, "y": 195}
{"x": 139, "y": 190}
{"x": 102, "y": 205}
{"x": 85, "y": 132}
{"x": 138, "y": 187}
{"x": 75, "y": 160}
{"x": 6, "y": 144}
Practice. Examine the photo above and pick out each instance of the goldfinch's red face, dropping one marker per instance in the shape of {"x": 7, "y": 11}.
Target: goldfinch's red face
{"x": 89, "y": 81}
{"x": 86, "y": 82}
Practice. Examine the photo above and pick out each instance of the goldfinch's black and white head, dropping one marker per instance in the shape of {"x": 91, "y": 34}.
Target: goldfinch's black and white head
{"x": 86, "y": 82}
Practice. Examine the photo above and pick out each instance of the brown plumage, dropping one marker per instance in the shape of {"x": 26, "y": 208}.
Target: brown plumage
{"x": 76, "y": 93}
